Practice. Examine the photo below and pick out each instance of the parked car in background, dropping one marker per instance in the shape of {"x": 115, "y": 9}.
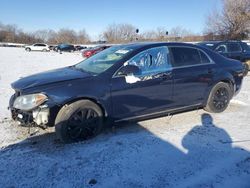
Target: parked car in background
{"x": 89, "y": 52}
{"x": 65, "y": 48}
{"x": 37, "y": 47}
{"x": 126, "y": 83}
{"x": 52, "y": 47}
{"x": 232, "y": 49}
{"x": 79, "y": 48}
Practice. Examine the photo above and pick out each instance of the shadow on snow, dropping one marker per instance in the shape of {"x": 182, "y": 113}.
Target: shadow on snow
{"x": 129, "y": 157}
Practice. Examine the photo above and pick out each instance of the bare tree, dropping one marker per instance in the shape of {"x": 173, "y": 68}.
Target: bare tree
{"x": 120, "y": 33}
{"x": 83, "y": 37}
{"x": 148, "y": 35}
{"x": 233, "y": 22}
{"x": 66, "y": 36}
{"x": 178, "y": 33}
{"x": 159, "y": 34}
{"x": 44, "y": 35}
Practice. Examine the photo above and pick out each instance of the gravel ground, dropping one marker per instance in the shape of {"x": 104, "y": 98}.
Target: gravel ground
{"x": 192, "y": 149}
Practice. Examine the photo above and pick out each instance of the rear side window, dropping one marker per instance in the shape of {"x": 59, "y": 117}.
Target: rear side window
{"x": 234, "y": 47}
{"x": 39, "y": 45}
{"x": 183, "y": 56}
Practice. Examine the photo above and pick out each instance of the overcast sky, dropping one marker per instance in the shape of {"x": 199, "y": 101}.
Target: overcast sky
{"x": 95, "y": 15}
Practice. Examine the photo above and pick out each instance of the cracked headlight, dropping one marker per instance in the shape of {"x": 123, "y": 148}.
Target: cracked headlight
{"x": 28, "y": 102}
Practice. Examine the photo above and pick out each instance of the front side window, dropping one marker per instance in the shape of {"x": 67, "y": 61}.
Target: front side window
{"x": 152, "y": 61}
{"x": 221, "y": 48}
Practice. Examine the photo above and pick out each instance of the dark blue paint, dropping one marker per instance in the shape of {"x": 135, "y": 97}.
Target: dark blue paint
{"x": 177, "y": 88}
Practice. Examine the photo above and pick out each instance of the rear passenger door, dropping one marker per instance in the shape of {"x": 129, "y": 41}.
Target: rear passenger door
{"x": 192, "y": 74}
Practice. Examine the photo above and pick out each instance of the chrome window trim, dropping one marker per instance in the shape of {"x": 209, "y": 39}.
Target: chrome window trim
{"x": 173, "y": 68}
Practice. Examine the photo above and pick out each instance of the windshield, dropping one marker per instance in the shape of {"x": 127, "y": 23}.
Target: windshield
{"x": 103, "y": 60}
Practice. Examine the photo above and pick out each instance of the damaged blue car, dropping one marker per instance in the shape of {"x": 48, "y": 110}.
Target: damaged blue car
{"x": 129, "y": 82}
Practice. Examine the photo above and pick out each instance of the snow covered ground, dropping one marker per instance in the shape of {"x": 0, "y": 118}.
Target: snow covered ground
{"x": 193, "y": 149}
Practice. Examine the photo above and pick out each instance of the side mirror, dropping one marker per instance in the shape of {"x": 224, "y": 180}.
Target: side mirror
{"x": 129, "y": 70}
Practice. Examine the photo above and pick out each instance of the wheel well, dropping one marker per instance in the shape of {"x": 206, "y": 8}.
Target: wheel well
{"x": 90, "y": 99}
{"x": 231, "y": 85}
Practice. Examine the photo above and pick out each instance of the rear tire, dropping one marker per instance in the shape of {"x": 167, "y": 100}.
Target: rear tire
{"x": 79, "y": 121}
{"x": 219, "y": 98}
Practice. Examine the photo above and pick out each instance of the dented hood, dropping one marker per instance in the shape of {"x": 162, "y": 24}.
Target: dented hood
{"x": 49, "y": 77}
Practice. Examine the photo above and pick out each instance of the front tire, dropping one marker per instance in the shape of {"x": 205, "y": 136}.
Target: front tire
{"x": 28, "y": 49}
{"x": 219, "y": 98}
{"x": 79, "y": 121}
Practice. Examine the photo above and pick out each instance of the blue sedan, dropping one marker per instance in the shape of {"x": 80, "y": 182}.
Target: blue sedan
{"x": 128, "y": 82}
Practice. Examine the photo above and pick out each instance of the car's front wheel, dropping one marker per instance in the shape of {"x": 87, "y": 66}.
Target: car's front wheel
{"x": 79, "y": 121}
{"x": 219, "y": 98}
{"x": 28, "y": 49}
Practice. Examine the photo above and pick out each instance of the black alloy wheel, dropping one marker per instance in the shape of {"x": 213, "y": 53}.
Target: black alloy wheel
{"x": 82, "y": 124}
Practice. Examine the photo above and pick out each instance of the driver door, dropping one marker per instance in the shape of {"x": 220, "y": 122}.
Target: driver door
{"x": 147, "y": 93}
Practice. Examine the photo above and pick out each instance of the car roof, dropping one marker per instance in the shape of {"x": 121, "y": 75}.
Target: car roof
{"x": 139, "y": 45}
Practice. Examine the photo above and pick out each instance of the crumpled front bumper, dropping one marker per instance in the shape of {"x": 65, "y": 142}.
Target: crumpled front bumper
{"x": 42, "y": 116}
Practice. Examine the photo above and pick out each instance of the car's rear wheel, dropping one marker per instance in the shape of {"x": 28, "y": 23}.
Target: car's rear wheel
{"x": 219, "y": 98}
{"x": 44, "y": 50}
{"x": 79, "y": 121}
